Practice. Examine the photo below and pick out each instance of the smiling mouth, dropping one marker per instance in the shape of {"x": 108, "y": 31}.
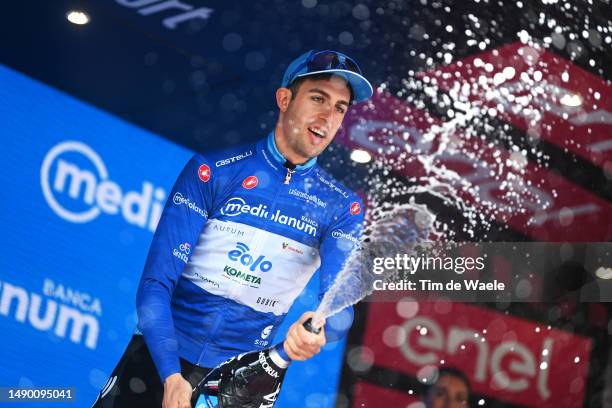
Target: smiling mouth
{"x": 317, "y": 133}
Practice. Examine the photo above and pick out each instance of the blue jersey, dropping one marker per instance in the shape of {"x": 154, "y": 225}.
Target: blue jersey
{"x": 238, "y": 240}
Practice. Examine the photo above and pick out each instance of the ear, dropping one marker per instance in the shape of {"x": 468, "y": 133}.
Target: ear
{"x": 283, "y": 98}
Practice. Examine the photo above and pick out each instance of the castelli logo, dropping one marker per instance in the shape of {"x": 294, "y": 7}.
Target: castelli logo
{"x": 204, "y": 173}
{"x": 355, "y": 208}
{"x": 250, "y": 182}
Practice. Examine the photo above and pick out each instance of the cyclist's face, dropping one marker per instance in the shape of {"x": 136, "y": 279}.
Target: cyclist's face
{"x": 314, "y": 116}
{"x": 449, "y": 392}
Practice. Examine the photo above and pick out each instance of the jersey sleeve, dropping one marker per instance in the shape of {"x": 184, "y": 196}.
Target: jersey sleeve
{"x": 182, "y": 220}
{"x": 339, "y": 241}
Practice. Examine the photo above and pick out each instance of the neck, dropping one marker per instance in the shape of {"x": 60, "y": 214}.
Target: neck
{"x": 283, "y": 147}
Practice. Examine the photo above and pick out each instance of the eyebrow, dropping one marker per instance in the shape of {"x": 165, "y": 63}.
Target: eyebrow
{"x": 322, "y": 92}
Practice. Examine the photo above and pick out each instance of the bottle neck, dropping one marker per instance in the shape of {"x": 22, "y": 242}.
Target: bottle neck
{"x": 279, "y": 356}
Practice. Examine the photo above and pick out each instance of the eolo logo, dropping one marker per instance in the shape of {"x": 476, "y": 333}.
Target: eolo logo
{"x": 241, "y": 254}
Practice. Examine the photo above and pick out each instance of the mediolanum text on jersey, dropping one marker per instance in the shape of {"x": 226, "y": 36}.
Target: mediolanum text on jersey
{"x": 236, "y": 206}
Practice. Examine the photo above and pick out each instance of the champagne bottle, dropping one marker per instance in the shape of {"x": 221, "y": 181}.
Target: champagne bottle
{"x": 249, "y": 380}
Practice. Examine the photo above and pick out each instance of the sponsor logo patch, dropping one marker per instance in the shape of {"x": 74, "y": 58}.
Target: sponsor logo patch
{"x": 266, "y": 302}
{"x": 229, "y": 230}
{"x": 204, "y": 173}
{"x": 337, "y": 234}
{"x": 266, "y": 366}
{"x": 255, "y": 265}
{"x": 207, "y": 280}
{"x": 311, "y": 198}
{"x": 179, "y": 199}
{"x": 241, "y": 254}
{"x": 237, "y": 206}
{"x": 250, "y": 182}
{"x": 331, "y": 185}
{"x": 265, "y": 333}
{"x": 233, "y": 159}
{"x": 241, "y": 277}
{"x": 288, "y": 247}
{"x": 355, "y": 208}
{"x": 182, "y": 252}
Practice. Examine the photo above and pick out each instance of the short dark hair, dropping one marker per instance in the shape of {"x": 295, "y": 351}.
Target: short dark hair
{"x": 294, "y": 86}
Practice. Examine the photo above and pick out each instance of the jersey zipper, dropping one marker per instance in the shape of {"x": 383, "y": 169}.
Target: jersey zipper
{"x": 256, "y": 242}
{"x": 288, "y": 175}
{"x": 290, "y": 170}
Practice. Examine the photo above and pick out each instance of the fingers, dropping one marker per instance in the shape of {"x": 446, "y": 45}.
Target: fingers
{"x": 178, "y": 404}
{"x": 309, "y": 339}
{"x": 301, "y": 344}
{"x": 177, "y": 392}
{"x": 296, "y": 344}
{"x": 174, "y": 401}
{"x": 293, "y": 351}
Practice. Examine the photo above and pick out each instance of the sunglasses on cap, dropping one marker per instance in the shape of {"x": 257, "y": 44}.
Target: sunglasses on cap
{"x": 324, "y": 61}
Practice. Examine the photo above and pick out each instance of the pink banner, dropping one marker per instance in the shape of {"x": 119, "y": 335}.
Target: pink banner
{"x": 510, "y": 359}
{"x": 540, "y": 93}
{"x": 500, "y": 183}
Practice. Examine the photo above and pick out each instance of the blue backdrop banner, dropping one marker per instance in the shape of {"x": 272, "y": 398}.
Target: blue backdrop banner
{"x": 83, "y": 192}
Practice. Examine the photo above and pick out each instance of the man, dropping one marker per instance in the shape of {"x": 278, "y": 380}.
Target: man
{"x": 451, "y": 390}
{"x": 240, "y": 236}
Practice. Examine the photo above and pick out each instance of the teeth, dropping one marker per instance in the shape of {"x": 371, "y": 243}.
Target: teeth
{"x": 317, "y": 132}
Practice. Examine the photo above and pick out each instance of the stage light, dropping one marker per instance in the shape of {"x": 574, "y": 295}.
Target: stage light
{"x": 360, "y": 156}
{"x": 571, "y": 100}
{"x": 77, "y": 17}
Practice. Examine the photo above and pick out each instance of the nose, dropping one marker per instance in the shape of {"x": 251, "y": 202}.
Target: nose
{"x": 325, "y": 113}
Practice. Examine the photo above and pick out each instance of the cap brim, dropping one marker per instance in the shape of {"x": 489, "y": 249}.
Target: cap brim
{"x": 362, "y": 89}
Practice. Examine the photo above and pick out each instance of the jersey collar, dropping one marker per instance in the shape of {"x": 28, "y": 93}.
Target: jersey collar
{"x": 279, "y": 159}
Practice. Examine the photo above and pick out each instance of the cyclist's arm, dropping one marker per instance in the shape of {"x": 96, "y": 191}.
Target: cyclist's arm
{"x": 176, "y": 236}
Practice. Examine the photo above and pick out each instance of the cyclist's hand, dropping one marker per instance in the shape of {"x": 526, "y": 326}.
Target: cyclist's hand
{"x": 177, "y": 392}
{"x": 301, "y": 344}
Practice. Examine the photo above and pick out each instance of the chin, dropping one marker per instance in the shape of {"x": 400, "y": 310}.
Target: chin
{"x": 317, "y": 153}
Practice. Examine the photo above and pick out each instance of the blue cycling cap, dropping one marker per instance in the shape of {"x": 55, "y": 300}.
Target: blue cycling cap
{"x": 334, "y": 62}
